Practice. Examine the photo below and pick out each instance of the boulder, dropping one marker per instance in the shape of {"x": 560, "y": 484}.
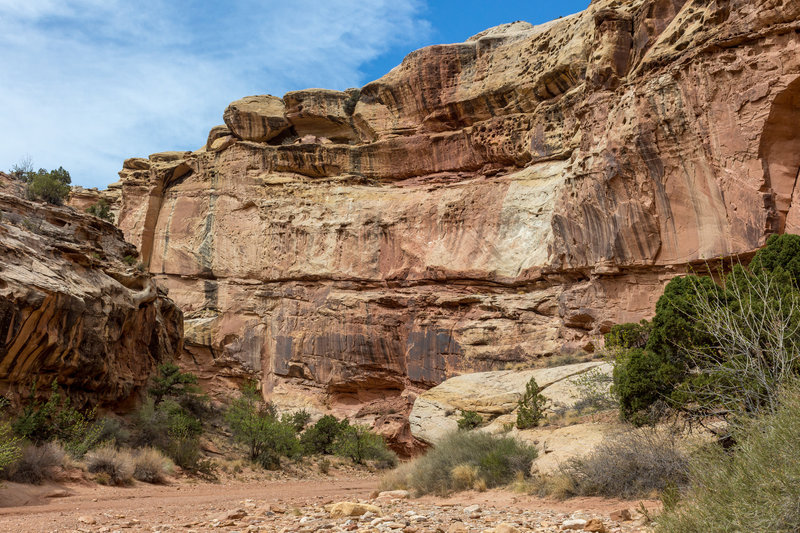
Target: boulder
{"x": 256, "y": 118}
{"x": 345, "y": 509}
{"x": 322, "y": 113}
{"x": 490, "y": 394}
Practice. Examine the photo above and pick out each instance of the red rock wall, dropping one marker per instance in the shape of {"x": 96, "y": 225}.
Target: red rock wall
{"x": 73, "y": 309}
{"x": 482, "y": 205}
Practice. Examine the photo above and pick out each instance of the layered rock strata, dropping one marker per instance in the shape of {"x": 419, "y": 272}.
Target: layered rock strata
{"x": 75, "y": 307}
{"x": 483, "y": 204}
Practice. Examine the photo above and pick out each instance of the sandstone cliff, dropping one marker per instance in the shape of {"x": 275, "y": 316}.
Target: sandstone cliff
{"x": 75, "y": 307}
{"x": 482, "y": 204}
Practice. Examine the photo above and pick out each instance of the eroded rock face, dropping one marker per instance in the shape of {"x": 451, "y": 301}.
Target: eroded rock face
{"x": 483, "y": 204}
{"x": 74, "y": 306}
{"x": 81, "y": 198}
{"x": 256, "y": 118}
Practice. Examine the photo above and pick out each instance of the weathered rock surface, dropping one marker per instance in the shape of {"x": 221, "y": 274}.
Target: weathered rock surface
{"x": 483, "y": 203}
{"x": 73, "y": 308}
{"x": 492, "y": 395}
{"x": 256, "y": 118}
{"x": 81, "y": 198}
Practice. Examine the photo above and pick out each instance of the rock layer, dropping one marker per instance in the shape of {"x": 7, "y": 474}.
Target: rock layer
{"x": 483, "y": 204}
{"x": 75, "y": 307}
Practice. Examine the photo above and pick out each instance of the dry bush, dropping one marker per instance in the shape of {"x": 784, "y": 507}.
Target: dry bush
{"x": 557, "y": 485}
{"x": 496, "y": 460}
{"x": 523, "y": 484}
{"x": 118, "y": 465}
{"x": 37, "y": 463}
{"x": 398, "y": 478}
{"x": 151, "y": 466}
{"x": 751, "y": 487}
{"x": 633, "y": 464}
{"x": 464, "y": 476}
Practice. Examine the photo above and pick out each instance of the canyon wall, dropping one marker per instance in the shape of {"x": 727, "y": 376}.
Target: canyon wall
{"x": 75, "y": 307}
{"x": 482, "y": 205}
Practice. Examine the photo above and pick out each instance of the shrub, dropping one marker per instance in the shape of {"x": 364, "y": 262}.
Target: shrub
{"x": 111, "y": 431}
{"x": 753, "y": 323}
{"x": 56, "y": 420}
{"x": 780, "y": 255}
{"x": 51, "y": 187}
{"x": 593, "y": 391}
{"x": 170, "y": 382}
{"x": 9, "y": 446}
{"x": 320, "y": 438}
{"x": 630, "y": 465}
{"x": 359, "y": 444}
{"x": 719, "y": 350}
{"x": 497, "y": 460}
{"x": 279, "y": 440}
{"x": 324, "y": 466}
{"x": 150, "y": 466}
{"x": 101, "y": 210}
{"x": 530, "y": 408}
{"x": 469, "y": 420}
{"x": 23, "y": 169}
{"x": 464, "y": 476}
{"x": 255, "y": 424}
{"x": 170, "y": 428}
{"x": 118, "y": 465}
{"x": 629, "y": 335}
{"x": 641, "y": 379}
{"x": 10, "y": 450}
{"x": 36, "y": 463}
{"x": 753, "y": 486}
{"x": 298, "y": 420}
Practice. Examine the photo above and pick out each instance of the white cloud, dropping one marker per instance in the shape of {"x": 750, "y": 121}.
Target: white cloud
{"x": 88, "y": 83}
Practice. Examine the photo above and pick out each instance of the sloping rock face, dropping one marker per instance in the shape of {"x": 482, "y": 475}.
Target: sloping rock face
{"x": 74, "y": 307}
{"x": 493, "y": 395}
{"x": 483, "y": 204}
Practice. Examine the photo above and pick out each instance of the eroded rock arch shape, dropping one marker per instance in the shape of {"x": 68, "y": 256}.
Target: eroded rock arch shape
{"x": 780, "y": 154}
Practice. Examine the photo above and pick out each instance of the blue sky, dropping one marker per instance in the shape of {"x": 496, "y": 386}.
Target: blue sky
{"x": 88, "y": 83}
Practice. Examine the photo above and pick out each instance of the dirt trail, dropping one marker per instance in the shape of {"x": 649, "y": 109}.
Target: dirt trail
{"x": 199, "y": 506}
{"x": 58, "y": 507}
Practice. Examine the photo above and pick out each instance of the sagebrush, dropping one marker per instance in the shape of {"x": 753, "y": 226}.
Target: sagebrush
{"x": 635, "y": 464}
{"x": 493, "y": 460}
{"x": 753, "y": 486}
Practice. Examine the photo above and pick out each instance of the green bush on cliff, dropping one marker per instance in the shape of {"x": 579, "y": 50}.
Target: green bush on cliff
{"x": 101, "y": 210}
{"x": 469, "y": 420}
{"x": 49, "y": 186}
{"x": 530, "y": 408}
